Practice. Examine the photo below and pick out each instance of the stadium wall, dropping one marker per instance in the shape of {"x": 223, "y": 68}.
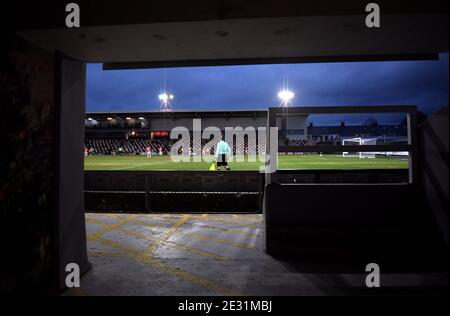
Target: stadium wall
{"x": 205, "y": 191}
{"x": 174, "y": 191}
{"x": 434, "y": 139}
{"x": 383, "y": 223}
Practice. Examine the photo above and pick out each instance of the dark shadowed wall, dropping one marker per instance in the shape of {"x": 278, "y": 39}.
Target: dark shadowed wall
{"x": 27, "y": 173}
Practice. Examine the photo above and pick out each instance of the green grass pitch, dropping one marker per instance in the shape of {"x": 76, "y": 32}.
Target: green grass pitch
{"x": 295, "y": 162}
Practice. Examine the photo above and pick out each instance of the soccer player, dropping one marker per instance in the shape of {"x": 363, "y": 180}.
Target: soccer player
{"x": 223, "y": 152}
{"x": 148, "y": 150}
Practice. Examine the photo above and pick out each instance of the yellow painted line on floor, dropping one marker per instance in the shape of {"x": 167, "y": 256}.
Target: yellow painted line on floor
{"x": 222, "y": 241}
{"x": 209, "y": 217}
{"x": 192, "y": 277}
{"x": 168, "y": 233}
{"x": 144, "y": 223}
{"x": 76, "y": 291}
{"x": 229, "y": 231}
{"x": 146, "y": 258}
{"x": 146, "y": 255}
{"x": 108, "y": 254}
{"x": 220, "y": 218}
{"x": 114, "y": 244}
{"x": 251, "y": 225}
{"x": 113, "y": 226}
{"x": 195, "y": 250}
{"x": 109, "y": 215}
{"x": 155, "y": 239}
{"x": 94, "y": 221}
{"x": 173, "y": 244}
{"x": 164, "y": 218}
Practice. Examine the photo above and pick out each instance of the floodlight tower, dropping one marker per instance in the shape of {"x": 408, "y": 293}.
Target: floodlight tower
{"x": 166, "y": 101}
{"x": 286, "y": 96}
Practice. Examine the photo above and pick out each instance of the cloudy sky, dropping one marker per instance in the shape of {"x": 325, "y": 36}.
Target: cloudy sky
{"x": 422, "y": 83}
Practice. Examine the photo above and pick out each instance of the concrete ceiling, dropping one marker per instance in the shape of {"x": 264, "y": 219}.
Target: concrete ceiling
{"x": 234, "y": 40}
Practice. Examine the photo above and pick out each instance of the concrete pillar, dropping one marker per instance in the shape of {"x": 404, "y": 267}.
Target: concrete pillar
{"x": 70, "y": 100}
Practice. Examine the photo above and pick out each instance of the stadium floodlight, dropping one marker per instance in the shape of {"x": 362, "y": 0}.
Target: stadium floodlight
{"x": 109, "y": 118}
{"x": 128, "y": 118}
{"x": 286, "y": 96}
{"x": 141, "y": 118}
{"x": 165, "y": 99}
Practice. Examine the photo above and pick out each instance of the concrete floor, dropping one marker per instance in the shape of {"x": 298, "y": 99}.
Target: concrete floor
{"x": 203, "y": 254}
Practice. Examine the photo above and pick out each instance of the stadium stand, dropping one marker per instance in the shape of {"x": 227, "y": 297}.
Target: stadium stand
{"x": 137, "y": 145}
{"x": 131, "y": 146}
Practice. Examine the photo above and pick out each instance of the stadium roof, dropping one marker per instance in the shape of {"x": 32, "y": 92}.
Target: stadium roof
{"x": 216, "y": 113}
{"x": 179, "y": 111}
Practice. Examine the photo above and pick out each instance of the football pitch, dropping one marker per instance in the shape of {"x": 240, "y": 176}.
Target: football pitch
{"x": 293, "y": 162}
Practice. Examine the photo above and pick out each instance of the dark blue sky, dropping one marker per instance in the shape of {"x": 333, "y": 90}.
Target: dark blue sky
{"x": 422, "y": 83}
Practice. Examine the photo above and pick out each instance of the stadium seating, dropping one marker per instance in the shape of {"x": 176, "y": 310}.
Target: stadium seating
{"x": 108, "y": 145}
{"x": 299, "y": 142}
{"x": 131, "y": 146}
